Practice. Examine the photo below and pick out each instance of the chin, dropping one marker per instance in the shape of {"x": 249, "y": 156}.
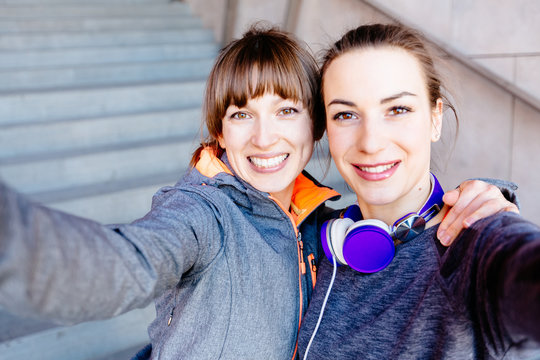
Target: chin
{"x": 376, "y": 198}
{"x": 269, "y": 187}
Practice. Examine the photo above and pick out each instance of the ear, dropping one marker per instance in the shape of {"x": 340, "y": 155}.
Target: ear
{"x": 436, "y": 120}
{"x": 221, "y": 142}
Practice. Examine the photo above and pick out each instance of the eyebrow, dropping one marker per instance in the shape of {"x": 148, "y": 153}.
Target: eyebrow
{"x": 341, "y": 102}
{"x": 397, "y": 96}
{"x": 383, "y": 101}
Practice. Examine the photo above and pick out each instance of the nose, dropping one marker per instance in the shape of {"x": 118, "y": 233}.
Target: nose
{"x": 265, "y": 133}
{"x": 371, "y": 135}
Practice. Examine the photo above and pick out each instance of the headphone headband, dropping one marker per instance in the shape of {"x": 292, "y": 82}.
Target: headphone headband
{"x": 411, "y": 225}
{"x": 368, "y": 245}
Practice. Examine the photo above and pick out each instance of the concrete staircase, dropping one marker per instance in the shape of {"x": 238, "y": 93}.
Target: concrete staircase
{"x": 99, "y": 107}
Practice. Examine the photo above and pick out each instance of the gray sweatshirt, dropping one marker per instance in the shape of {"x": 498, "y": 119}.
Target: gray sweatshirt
{"x": 479, "y": 299}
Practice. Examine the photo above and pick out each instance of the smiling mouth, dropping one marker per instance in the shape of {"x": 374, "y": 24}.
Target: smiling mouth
{"x": 376, "y": 169}
{"x": 267, "y": 163}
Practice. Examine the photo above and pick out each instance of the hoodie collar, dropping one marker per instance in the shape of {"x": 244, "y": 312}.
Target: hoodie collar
{"x": 209, "y": 165}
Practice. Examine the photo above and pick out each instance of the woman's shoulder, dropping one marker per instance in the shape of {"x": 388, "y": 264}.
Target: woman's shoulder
{"x": 496, "y": 235}
{"x": 502, "y": 224}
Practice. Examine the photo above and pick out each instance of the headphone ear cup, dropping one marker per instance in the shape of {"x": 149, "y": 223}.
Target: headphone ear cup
{"x": 332, "y": 232}
{"x": 337, "y": 237}
{"x": 368, "y": 246}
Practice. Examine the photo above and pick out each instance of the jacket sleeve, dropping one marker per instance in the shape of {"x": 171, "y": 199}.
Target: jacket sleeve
{"x": 493, "y": 273}
{"x": 68, "y": 269}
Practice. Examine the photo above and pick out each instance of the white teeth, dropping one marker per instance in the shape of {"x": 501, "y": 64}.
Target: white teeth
{"x": 376, "y": 169}
{"x": 267, "y": 162}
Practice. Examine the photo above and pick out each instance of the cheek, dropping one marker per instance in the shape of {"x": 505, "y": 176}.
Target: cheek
{"x": 417, "y": 132}
{"x": 303, "y": 134}
{"x": 236, "y": 137}
{"x": 417, "y": 143}
{"x": 331, "y": 133}
{"x": 339, "y": 140}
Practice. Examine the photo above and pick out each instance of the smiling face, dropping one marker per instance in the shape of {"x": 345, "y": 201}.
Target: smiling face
{"x": 268, "y": 142}
{"x": 380, "y": 126}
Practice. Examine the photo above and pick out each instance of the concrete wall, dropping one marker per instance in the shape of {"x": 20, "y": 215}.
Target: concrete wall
{"x": 212, "y": 14}
{"x": 502, "y": 36}
{"x": 242, "y": 13}
{"x": 499, "y": 131}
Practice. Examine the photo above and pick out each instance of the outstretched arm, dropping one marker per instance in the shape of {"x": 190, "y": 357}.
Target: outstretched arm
{"x": 68, "y": 269}
{"x": 471, "y": 201}
{"x": 493, "y": 271}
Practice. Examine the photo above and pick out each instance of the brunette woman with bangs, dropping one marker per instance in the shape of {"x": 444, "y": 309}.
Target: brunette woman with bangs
{"x": 229, "y": 252}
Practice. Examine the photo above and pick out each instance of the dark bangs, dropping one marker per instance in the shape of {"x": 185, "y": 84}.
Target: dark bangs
{"x": 268, "y": 70}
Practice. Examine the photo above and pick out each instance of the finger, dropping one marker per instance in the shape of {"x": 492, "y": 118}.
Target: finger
{"x": 512, "y": 208}
{"x": 485, "y": 204}
{"x": 470, "y": 194}
{"x": 450, "y": 197}
{"x": 492, "y": 202}
{"x": 443, "y": 226}
{"x": 489, "y": 208}
{"x": 484, "y": 209}
{"x": 453, "y": 225}
{"x": 459, "y": 200}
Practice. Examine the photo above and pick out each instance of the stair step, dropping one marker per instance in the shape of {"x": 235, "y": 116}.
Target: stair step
{"x": 27, "y": 140}
{"x": 118, "y": 202}
{"x": 90, "y": 340}
{"x": 100, "y": 106}
{"x": 123, "y": 354}
{"x": 13, "y": 326}
{"x": 35, "y": 41}
{"x": 101, "y": 75}
{"x": 43, "y": 106}
{"x": 81, "y": 2}
{"x": 36, "y": 10}
{"x": 99, "y": 166}
{"x": 78, "y": 24}
{"x": 106, "y": 55}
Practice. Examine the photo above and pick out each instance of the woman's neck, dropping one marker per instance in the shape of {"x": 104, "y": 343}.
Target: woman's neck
{"x": 410, "y": 202}
{"x": 284, "y": 197}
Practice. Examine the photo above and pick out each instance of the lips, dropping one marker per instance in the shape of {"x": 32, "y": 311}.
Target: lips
{"x": 376, "y": 172}
{"x": 268, "y": 162}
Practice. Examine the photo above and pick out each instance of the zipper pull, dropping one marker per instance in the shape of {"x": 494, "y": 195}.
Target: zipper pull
{"x": 313, "y": 266}
{"x": 170, "y": 317}
{"x": 301, "y": 245}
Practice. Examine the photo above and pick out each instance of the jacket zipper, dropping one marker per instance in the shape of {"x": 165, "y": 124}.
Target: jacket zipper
{"x": 301, "y": 267}
{"x": 301, "y": 272}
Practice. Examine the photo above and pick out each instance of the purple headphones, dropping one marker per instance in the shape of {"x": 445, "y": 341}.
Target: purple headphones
{"x": 368, "y": 245}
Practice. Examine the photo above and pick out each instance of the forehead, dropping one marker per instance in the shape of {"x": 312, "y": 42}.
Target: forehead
{"x": 374, "y": 73}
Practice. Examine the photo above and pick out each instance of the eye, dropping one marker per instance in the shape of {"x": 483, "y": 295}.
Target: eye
{"x": 240, "y": 115}
{"x": 288, "y": 111}
{"x": 399, "y": 110}
{"x": 344, "y": 116}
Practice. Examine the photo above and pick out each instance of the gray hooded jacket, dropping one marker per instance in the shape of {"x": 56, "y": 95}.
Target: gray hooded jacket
{"x": 224, "y": 262}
